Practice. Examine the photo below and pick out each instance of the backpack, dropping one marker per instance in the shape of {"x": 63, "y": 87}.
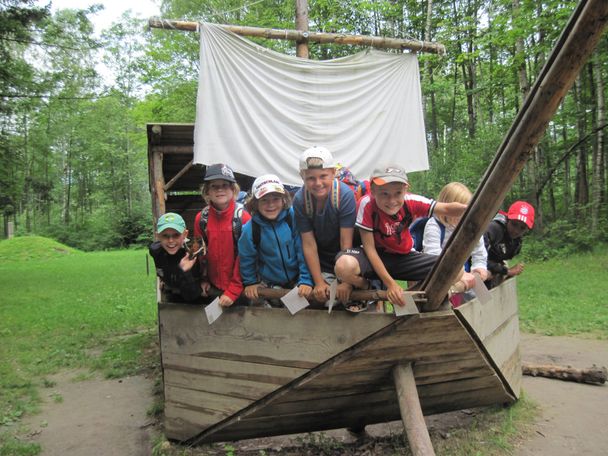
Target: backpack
{"x": 309, "y": 201}
{"x": 406, "y": 219}
{"x": 256, "y": 230}
{"x": 417, "y": 232}
{"x": 237, "y": 224}
{"x": 359, "y": 188}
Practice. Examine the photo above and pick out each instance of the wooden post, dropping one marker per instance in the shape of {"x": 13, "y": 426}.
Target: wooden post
{"x": 411, "y": 412}
{"x": 302, "y": 26}
{"x": 575, "y": 45}
{"x": 158, "y": 185}
{"x": 10, "y": 227}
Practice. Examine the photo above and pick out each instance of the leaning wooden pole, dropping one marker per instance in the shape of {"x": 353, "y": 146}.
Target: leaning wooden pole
{"x": 411, "y": 411}
{"x": 379, "y": 42}
{"x": 575, "y": 45}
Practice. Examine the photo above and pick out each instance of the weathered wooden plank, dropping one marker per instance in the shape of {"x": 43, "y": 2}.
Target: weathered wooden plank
{"x": 218, "y": 404}
{"x": 382, "y": 410}
{"x": 370, "y": 393}
{"x": 234, "y": 369}
{"x": 270, "y": 336}
{"x": 181, "y": 422}
{"x": 238, "y": 388}
{"x": 485, "y": 319}
{"x": 501, "y": 344}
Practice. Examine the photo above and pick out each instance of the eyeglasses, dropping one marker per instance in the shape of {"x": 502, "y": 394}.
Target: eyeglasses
{"x": 168, "y": 236}
{"x": 217, "y": 187}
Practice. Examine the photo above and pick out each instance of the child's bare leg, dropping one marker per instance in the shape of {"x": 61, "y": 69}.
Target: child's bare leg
{"x": 348, "y": 271}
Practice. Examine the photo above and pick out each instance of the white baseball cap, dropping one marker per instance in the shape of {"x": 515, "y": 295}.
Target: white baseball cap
{"x": 268, "y": 183}
{"x": 322, "y": 153}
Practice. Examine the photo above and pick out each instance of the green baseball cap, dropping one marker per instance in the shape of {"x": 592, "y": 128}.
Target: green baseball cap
{"x": 170, "y": 220}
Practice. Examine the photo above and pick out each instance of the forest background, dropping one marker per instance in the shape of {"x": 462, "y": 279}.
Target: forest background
{"x": 73, "y": 147}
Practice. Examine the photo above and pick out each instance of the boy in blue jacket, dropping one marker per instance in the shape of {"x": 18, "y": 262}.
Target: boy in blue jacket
{"x": 270, "y": 248}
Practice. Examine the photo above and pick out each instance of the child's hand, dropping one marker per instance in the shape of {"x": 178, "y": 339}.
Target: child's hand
{"x": 468, "y": 279}
{"x": 321, "y": 292}
{"x": 484, "y": 274}
{"x": 251, "y": 291}
{"x": 394, "y": 293}
{"x": 225, "y": 301}
{"x": 343, "y": 292}
{"x": 205, "y": 286}
{"x": 515, "y": 270}
{"x": 304, "y": 291}
{"x": 186, "y": 263}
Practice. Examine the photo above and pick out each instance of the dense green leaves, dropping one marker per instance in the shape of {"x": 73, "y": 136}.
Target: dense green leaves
{"x": 73, "y": 149}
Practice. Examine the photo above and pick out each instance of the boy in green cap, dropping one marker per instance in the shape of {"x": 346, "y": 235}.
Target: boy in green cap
{"x": 178, "y": 273}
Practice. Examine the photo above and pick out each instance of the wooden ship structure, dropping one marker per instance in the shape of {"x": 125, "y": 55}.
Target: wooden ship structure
{"x": 259, "y": 372}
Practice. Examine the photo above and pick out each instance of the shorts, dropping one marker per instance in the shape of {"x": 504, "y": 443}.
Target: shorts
{"x": 412, "y": 266}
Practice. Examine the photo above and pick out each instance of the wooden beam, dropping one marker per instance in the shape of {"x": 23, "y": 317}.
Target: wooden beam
{"x": 172, "y": 149}
{"x": 302, "y": 26}
{"x": 181, "y": 172}
{"x": 578, "y": 40}
{"x": 411, "y": 412}
{"x": 158, "y": 186}
{"x": 316, "y": 37}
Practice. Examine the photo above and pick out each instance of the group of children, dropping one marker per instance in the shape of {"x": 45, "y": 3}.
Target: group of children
{"x": 328, "y": 232}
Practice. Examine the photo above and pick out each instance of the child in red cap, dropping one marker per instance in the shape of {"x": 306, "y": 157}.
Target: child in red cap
{"x": 504, "y": 238}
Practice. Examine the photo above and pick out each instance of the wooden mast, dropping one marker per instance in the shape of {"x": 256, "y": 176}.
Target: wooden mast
{"x": 315, "y": 37}
{"x": 575, "y": 45}
{"x": 302, "y": 26}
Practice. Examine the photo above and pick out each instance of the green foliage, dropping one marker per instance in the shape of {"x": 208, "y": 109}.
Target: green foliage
{"x": 10, "y": 446}
{"x": 561, "y": 239}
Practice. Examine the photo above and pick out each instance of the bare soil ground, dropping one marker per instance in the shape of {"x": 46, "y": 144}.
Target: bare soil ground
{"x": 109, "y": 416}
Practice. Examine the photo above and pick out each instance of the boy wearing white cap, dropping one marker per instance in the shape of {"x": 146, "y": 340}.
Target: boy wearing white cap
{"x": 383, "y": 218}
{"x": 270, "y": 247}
{"x": 325, "y": 214}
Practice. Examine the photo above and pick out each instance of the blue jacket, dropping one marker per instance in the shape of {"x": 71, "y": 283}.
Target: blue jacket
{"x": 278, "y": 259}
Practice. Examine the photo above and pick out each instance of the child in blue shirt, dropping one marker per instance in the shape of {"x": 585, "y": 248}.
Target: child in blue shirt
{"x": 270, "y": 247}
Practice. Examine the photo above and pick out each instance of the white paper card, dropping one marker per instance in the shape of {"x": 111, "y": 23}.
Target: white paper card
{"x": 213, "y": 310}
{"x": 294, "y": 302}
{"x": 481, "y": 291}
{"x": 332, "y": 295}
{"x": 408, "y": 309}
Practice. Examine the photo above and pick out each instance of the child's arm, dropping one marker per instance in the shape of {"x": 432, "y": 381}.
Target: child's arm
{"x": 346, "y": 238}
{"x": 248, "y": 262}
{"x": 394, "y": 290}
{"x": 449, "y": 209}
{"x": 305, "y": 283}
{"x": 311, "y": 255}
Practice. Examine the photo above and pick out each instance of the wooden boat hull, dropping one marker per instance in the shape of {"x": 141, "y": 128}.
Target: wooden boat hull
{"x": 260, "y": 372}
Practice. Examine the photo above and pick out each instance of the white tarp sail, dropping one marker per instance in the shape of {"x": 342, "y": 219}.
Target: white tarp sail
{"x": 257, "y": 109}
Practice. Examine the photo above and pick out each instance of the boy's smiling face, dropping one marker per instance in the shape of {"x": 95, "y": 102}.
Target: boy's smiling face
{"x": 171, "y": 240}
{"x": 389, "y": 197}
{"x": 319, "y": 181}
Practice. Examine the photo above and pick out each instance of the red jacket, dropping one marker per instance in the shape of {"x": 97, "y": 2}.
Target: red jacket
{"x": 222, "y": 268}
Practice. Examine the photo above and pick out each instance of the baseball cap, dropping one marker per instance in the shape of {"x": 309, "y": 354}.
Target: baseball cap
{"x": 219, "y": 171}
{"x": 522, "y": 211}
{"x": 322, "y": 153}
{"x": 389, "y": 173}
{"x": 268, "y": 183}
{"x": 170, "y": 220}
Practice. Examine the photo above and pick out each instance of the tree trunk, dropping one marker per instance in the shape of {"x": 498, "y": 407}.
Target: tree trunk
{"x": 429, "y": 71}
{"x": 598, "y": 180}
{"x": 581, "y": 191}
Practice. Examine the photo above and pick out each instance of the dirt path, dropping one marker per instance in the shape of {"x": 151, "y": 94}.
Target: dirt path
{"x": 109, "y": 416}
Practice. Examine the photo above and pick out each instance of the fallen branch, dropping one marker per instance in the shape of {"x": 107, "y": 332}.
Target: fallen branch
{"x": 592, "y": 374}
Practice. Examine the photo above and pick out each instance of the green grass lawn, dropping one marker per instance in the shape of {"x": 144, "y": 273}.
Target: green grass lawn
{"x": 61, "y": 308}
{"x": 566, "y": 296}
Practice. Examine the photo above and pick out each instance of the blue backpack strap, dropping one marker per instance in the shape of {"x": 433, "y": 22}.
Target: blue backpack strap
{"x": 335, "y": 194}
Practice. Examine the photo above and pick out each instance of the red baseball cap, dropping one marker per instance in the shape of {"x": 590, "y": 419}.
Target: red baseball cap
{"x": 522, "y": 211}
